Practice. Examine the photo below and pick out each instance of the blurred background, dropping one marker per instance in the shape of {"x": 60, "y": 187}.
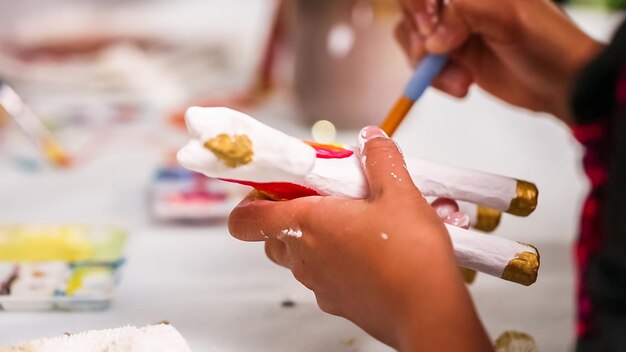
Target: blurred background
{"x": 109, "y": 81}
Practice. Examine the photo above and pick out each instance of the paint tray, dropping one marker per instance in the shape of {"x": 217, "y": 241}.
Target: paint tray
{"x": 182, "y": 195}
{"x": 59, "y": 267}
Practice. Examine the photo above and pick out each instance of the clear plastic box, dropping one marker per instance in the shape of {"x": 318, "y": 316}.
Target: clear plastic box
{"x": 59, "y": 267}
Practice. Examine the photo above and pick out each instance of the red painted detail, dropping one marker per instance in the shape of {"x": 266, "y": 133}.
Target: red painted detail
{"x": 330, "y": 151}
{"x": 279, "y": 190}
{"x": 286, "y": 190}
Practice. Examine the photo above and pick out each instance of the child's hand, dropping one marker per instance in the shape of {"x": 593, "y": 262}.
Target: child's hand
{"x": 385, "y": 263}
{"x": 525, "y": 52}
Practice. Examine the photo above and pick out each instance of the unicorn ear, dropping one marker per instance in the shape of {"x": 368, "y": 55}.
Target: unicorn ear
{"x": 232, "y": 145}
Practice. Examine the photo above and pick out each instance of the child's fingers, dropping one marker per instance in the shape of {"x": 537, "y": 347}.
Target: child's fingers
{"x": 259, "y": 219}
{"x": 409, "y": 9}
{"x": 444, "y": 207}
{"x": 445, "y": 28}
{"x": 458, "y": 219}
{"x": 495, "y": 19}
{"x": 276, "y": 251}
{"x": 410, "y": 41}
{"x": 454, "y": 79}
{"x": 402, "y": 36}
{"x": 448, "y": 210}
{"x": 383, "y": 164}
{"x": 448, "y": 33}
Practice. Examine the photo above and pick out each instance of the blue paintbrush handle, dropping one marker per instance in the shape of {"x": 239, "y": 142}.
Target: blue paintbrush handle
{"x": 423, "y": 76}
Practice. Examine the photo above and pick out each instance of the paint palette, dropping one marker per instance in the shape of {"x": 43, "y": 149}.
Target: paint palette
{"x": 180, "y": 194}
{"x": 59, "y": 267}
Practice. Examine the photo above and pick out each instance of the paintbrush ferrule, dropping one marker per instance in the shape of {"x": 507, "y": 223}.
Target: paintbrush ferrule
{"x": 421, "y": 79}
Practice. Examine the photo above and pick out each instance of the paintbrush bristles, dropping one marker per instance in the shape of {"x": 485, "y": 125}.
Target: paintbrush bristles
{"x": 397, "y": 114}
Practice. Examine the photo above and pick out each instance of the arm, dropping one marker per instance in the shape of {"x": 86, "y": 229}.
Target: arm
{"x": 360, "y": 257}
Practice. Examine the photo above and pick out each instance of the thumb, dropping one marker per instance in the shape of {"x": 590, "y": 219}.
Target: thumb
{"x": 383, "y": 164}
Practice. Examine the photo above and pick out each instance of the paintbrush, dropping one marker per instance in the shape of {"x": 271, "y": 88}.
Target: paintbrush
{"x": 422, "y": 78}
{"x": 15, "y": 107}
{"x": 487, "y": 219}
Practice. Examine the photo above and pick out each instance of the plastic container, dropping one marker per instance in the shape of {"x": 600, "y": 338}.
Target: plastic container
{"x": 59, "y": 267}
{"x": 349, "y": 69}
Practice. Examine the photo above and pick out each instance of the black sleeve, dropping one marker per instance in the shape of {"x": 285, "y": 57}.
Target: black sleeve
{"x": 593, "y": 97}
{"x": 600, "y": 97}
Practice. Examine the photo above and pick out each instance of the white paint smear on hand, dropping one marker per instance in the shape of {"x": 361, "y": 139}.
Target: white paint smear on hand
{"x": 297, "y": 233}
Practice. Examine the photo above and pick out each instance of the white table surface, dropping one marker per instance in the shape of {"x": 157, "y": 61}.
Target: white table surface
{"x": 223, "y": 295}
